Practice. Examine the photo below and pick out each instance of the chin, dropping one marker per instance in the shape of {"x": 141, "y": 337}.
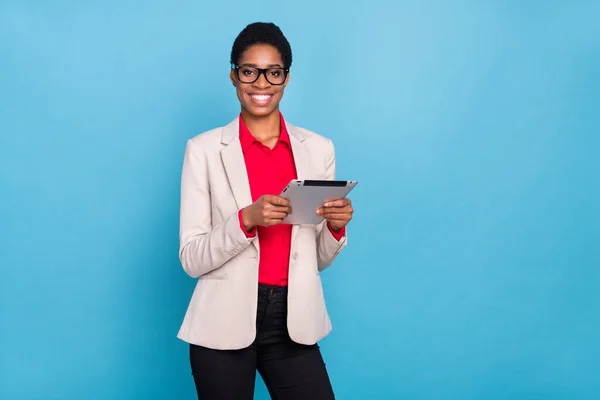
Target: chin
{"x": 260, "y": 111}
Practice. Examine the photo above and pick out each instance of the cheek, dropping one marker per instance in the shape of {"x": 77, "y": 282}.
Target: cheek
{"x": 279, "y": 93}
{"x": 240, "y": 93}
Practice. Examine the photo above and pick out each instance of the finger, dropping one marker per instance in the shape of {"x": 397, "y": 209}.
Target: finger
{"x": 337, "y": 216}
{"x": 345, "y": 209}
{"x": 338, "y": 203}
{"x": 336, "y": 210}
{"x": 268, "y": 215}
{"x": 282, "y": 209}
{"x": 276, "y": 215}
{"x": 277, "y": 200}
{"x": 273, "y": 221}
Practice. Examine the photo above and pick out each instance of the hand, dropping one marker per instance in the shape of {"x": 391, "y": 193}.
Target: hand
{"x": 337, "y": 212}
{"x": 267, "y": 210}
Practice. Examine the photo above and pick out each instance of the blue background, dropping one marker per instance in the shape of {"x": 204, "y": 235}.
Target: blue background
{"x": 472, "y": 270}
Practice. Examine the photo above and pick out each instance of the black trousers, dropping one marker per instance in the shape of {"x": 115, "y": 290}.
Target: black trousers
{"x": 291, "y": 371}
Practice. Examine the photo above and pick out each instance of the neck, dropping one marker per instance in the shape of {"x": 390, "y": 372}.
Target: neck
{"x": 262, "y": 128}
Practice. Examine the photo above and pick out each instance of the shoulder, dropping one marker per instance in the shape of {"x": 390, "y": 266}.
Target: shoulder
{"x": 212, "y": 140}
{"x": 316, "y": 141}
{"x": 320, "y": 148}
{"x": 204, "y": 147}
{"x": 209, "y": 138}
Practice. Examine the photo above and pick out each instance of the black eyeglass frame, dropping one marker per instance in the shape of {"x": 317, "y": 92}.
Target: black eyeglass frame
{"x": 261, "y": 71}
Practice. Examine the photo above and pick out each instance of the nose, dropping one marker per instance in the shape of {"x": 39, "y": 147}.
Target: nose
{"x": 262, "y": 82}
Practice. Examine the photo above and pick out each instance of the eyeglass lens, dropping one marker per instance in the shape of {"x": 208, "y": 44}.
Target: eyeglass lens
{"x": 275, "y": 76}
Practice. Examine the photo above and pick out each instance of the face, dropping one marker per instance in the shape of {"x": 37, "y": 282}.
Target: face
{"x": 260, "y": 98}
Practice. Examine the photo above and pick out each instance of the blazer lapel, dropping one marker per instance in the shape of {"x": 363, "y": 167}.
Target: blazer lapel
{"x": 235, "y": 167}
{"x": 301, "y": 160}
{"x": 301, "y": 156}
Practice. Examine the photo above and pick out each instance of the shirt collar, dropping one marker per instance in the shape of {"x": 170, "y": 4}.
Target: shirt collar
{"x": 246, "y": 138}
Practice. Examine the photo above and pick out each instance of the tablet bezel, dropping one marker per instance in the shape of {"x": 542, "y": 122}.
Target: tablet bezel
{"x": 306, "y": 212}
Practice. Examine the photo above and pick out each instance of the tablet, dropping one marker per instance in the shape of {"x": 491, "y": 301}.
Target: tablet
{"x": 307, "y": 196}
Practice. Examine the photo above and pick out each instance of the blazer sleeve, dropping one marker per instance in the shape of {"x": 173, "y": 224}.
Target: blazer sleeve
{"x": 328, "y": 247}
{"x": 204, "y": 247}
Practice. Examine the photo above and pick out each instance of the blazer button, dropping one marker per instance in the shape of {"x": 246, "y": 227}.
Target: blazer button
{"x": 295, "y": 255}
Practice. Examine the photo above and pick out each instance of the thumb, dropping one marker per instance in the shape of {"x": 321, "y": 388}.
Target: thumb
{"x": 278, "y": 201}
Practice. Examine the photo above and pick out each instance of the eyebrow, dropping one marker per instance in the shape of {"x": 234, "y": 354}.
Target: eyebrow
{"x": 268, "y": 66}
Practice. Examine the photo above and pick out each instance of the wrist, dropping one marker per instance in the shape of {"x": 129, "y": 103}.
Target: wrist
{"x": 247, "y": 220}
{"x": 334, "y": 228}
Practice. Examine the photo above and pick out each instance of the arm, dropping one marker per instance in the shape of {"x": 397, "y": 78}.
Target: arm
{"x": 204, "y": 248}
{"x": 328, "y": 245}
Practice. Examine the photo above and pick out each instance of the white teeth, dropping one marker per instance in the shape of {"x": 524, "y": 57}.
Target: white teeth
{"x": 261, "y": 97}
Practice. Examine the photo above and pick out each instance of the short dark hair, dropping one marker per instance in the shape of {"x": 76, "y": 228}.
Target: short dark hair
{"x": 262, "y": 33}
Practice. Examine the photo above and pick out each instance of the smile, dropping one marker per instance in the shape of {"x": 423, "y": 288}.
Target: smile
{"x": 261, "y": 97}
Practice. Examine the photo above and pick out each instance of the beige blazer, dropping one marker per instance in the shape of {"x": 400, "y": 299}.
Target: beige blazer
{"x": 214, "y": 186}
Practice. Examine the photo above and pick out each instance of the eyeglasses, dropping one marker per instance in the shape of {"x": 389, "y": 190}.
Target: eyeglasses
{"x": 246, "y": 74}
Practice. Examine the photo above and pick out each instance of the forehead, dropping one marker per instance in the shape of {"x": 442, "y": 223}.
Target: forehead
{"x": 261, "y": 55}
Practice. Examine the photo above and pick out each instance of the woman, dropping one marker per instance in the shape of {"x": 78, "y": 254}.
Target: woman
{"x": 258, "y": 304}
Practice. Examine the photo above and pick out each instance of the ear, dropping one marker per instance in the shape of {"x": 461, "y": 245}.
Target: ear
{"x": 287, "y": 79}
{"x": 232, "y": 77}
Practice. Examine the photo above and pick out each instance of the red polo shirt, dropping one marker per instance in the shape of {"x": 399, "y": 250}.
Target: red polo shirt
{"x": 269, "y": 171}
